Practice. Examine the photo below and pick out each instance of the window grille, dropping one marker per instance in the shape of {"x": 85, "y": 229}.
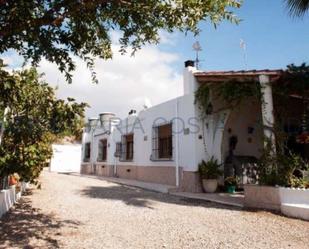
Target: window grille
{"x": 102, "y": 150}
{"x": 162, "y": 142}
{"x": 127, "y": 147}
{"x": 118, "y": 149}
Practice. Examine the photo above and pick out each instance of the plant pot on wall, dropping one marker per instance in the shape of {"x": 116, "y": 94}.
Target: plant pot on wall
{"x": 210, "y": 185}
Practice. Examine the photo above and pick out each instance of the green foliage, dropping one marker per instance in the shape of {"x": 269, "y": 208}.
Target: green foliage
{"x": 277, "y": 165}
{"x": 295, "y": 80}
{"x": 210, "y": 169}
{"x": 56, "y": 30}
{"x": 35, "y": 119}
{"x": 202, "y": 96}
{"x": 231, "y": 181}
{"x": 298, "y": 7}
{"x": 234, "y": 92}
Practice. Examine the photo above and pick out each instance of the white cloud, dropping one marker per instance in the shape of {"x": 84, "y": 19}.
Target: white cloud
{"x": 124, "y": 82}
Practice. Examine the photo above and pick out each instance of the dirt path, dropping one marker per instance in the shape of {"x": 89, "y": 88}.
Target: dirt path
{"x": 80, "y": 212}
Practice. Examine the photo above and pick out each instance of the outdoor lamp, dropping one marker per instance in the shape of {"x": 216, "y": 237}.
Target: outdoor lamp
{"x": 209, "y": 109}
{"x": 93, "y": 122}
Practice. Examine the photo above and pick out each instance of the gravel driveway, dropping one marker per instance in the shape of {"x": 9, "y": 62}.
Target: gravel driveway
{"x": 80, "y": 212}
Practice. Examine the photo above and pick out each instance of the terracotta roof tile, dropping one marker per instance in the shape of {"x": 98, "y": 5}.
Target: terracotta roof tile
{"x": 240, "y": 73}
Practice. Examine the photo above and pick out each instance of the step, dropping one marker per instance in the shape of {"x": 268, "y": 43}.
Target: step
{"x": 162, "y": 188}
{"x": 235, "y": 200}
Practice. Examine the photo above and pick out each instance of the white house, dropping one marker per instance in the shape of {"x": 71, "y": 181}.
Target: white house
{"x": 165, "y": 143}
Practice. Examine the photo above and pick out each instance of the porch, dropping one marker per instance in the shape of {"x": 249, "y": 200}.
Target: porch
{"x": 243, "y": 111}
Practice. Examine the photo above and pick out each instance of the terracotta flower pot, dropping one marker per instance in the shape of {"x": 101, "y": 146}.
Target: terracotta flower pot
{"x": 12, "y": 181}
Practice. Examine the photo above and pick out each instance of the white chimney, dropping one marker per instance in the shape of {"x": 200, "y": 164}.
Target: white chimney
{"x": 189, "y": 82}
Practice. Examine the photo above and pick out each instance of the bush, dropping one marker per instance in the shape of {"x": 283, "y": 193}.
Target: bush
{"x": 210, "y": 169}
{"x": 231, "y": 181}
{"x": 277, "y": 167}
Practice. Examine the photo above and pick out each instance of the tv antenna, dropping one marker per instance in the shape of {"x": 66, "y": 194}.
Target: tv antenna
{"x": 197, "y": 48}
{"x": 243, "y": 46}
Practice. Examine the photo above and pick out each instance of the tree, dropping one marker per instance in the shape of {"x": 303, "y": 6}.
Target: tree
{"x": 35, "y": 119}
{"x": 298, "y": 7}
{"x": 57, "y": 30}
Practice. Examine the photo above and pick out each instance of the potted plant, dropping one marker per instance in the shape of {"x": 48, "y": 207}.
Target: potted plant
{"x": 209, "y": 172}
{"x": 12, "y": 180}
{"x": 231, "y": 183}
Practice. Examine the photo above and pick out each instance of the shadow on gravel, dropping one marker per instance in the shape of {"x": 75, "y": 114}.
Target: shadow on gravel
{"x": 143, "y": 198}
{"x": 26, "y": 227}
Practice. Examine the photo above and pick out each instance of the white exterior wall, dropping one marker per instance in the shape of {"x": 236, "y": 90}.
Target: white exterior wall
{"x": 142, "y": 127}
{"x": 190, "y": 146}
{"x": 66, "y": 158}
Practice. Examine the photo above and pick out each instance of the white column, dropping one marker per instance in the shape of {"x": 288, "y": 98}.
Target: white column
{"x": 267, "y": 107}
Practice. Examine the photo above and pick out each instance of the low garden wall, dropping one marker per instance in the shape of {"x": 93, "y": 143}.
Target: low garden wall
{"x": 289, "y": 201}
{"x": 295, "y": 202}
{"x": 263, "y": 197}
{"x": 9, "y": 196}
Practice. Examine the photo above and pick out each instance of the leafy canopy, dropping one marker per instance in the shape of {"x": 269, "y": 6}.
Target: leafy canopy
{"x": 34, "y": 120}
{"x": 57, "y": 30}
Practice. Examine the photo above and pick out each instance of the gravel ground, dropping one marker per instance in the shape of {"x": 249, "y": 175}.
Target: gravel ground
{"x": 80, "y": 212}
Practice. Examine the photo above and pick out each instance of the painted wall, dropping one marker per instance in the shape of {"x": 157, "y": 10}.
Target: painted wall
{"x": 66, "y": 158}
{"x": 240, "y": 119}
{"x": 142, "y": 127}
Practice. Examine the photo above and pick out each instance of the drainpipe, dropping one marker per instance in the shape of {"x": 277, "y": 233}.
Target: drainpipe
{"x": 93, "y": 125}
{"x": 177, "y": 145}
{"x": 92, "y": 149}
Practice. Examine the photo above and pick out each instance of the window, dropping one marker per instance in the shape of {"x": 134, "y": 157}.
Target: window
{"x": 162, "y": 144}
{"x": 118, "y": 149}
{"x": 102, "y": 154}
{"x": 127, "y": 146}
{"x": 87, "y": 152}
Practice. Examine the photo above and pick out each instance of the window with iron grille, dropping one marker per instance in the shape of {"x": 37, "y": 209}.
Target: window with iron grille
{"x": 162, "y": 142}
{"x": 127, "y": 147}
{"x": 87, "y": 152}
{"x": 118, "y": 149}
{"x": 102, "y": 152}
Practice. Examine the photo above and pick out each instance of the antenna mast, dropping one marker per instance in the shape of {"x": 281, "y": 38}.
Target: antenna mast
{"x": 243, "y": 46}
{"x": 197, "y": 48}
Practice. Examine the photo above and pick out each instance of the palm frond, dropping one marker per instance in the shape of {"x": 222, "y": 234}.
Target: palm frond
{"x": 297, "y": 7}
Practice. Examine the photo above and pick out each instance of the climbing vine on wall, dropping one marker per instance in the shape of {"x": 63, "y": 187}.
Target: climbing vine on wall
{"x": 232, "y": 94}
{"x": 202, "y": 97}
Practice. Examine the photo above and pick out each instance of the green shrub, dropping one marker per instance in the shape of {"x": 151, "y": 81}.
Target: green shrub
{"x": 210, "y": 169}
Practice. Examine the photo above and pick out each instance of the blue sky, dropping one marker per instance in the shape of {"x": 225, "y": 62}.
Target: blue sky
{"x": 274, "y": 39}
